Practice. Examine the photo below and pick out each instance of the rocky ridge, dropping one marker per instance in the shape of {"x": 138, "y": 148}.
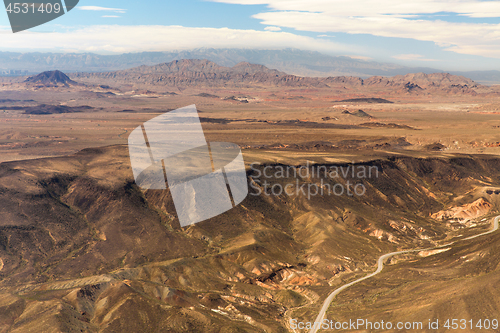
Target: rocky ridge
{"x": 195, "y": 72}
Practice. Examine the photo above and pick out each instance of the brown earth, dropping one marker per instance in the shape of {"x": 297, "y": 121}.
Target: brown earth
{"x": 82, "y": 248}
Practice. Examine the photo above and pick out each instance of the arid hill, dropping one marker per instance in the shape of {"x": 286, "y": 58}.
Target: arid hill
{"x": 420, "y": 82}
{"x": 367, "y": 100}
{"x": 50, "y": 109}
{"x": 51, "y": 79}
{"x": 82, "y": 248}
{"x": 194, "y": 72}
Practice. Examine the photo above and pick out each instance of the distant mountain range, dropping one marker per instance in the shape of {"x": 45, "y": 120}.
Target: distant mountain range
{"x": 205, "y": 73}
{"x": 290, "y": 61}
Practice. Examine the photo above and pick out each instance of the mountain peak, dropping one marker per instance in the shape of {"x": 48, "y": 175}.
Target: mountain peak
{"x": 248, "y": 68}
{"x": 51, "y": 78}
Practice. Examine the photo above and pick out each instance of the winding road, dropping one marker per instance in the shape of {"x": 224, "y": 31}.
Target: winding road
{"x": 329, "y": 299}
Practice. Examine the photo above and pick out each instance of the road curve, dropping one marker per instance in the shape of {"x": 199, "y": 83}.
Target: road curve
{"x": 329, "y": 299}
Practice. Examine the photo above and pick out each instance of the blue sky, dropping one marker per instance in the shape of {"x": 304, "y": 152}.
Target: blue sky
{"x": 445, "y": 34}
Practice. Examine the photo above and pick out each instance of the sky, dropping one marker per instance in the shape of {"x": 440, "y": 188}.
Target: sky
{"x": 444, "y": 34}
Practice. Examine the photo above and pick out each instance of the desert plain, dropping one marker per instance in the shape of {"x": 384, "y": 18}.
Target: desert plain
{"x": 84, "y": 249}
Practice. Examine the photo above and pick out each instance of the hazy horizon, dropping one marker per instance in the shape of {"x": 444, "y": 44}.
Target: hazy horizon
{"x": 421, "y": 34}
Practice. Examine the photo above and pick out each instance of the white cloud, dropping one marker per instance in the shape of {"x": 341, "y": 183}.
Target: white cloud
{"x": 391, "y": 18}
{"x": 471, "y": 8}
{"x": 272, "y": 28}
{"x": 97, "y": 8}
{"x": 412, "y": 57}
{"x": 117, "y": 38}
{"x": 111, "y": 16}
{"x": 467, "y": 38}
{"x": 358, "y": 57}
